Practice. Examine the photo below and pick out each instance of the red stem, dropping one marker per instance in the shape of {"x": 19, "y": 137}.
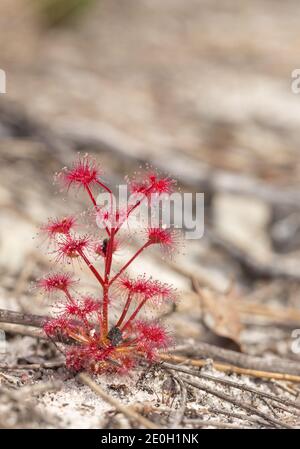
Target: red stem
{"x": 91, "y": 267}
{"x": 104, "y": 187}
{"x": 108, "y": 263}
{"x": 105, "y": 311}
{"x": 134, "y": 314}
{"x": 91, "y": 196}
{"x": 129, "y": 262}
{"x": 134, "y": 207}
{"x": 95, "y": 204}
{"x": 111, "y": 196}
{"x": 103, "y": 321}
{"x": 68, "y": 295}
{"x": 109, "y": 254}
{"x": 125, "y": 310}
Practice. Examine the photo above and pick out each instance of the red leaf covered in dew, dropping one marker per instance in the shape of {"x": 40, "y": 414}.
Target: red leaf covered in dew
{"x": 58, "y": 226}
{"x": 81, "y": 308}
{"x": 168, "y": 239}
{"x": 152, "y": 336}
{"x": 91, "y": 338}
{"x": 58, "y": 326}
{"x": 56, "y": 281}
{"x": 152, "y": 184}
{"x": 84, "y": 173}
{"x": 72, "y": 246}
{"x": 159, "y": 236}
{"x": 146, "y": 288}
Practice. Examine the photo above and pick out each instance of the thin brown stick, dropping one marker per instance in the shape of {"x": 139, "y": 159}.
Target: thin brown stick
{"x": 214, "y": 423}
{"x": 231, "y": 368}
{"x": 276, "y": 364}
{"x": 179, "y": 414}
{"x": 270, "y": 407}
{"x": 127, "y": 411}
{"x": 284, "y": 387}
{"x": 32, "y": 366}
{"x": 232, "y": 384}
{"x": 23, "y": 330}
{"x": 243, "y": 405}
{"x": 28, "y": 319}
{"x": 282, "y": 407}
{"x": 241, "y": 416}
{"x": 39, "y": 333}
{"x": 272, "y": 364}
{"x": 39, "y": 388}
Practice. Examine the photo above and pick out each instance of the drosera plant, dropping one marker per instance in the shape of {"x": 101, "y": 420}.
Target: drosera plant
{"x": 93, "y": 339}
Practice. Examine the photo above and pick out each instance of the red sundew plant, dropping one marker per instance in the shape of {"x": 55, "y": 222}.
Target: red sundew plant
{"x": 92, "y": 339}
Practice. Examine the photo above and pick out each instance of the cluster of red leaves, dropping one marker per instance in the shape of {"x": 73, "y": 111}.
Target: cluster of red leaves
{"x": 91, "y": 339}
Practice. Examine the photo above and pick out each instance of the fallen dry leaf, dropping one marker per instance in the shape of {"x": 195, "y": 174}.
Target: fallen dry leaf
{"x": 220, "y": 313}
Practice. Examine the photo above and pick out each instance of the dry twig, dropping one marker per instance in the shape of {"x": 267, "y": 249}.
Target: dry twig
{"x": 179, "y": 414}
{"x": 213, "y": 423}
{"x": 285, "y": 369}
{"x": 242, "y": 417}
{"x": 23, "y": 330}
{"x": 231, "y": 368}
{"x": 232, "y": 384}
{"x": 238, "y": 403}
{"x": 32, "y": 366}
{"x": 272, "y": 364}
{"x": 10, "y": 316}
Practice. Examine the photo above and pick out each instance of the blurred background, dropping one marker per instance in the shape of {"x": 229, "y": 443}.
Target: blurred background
{"x": 200, "y": 89}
